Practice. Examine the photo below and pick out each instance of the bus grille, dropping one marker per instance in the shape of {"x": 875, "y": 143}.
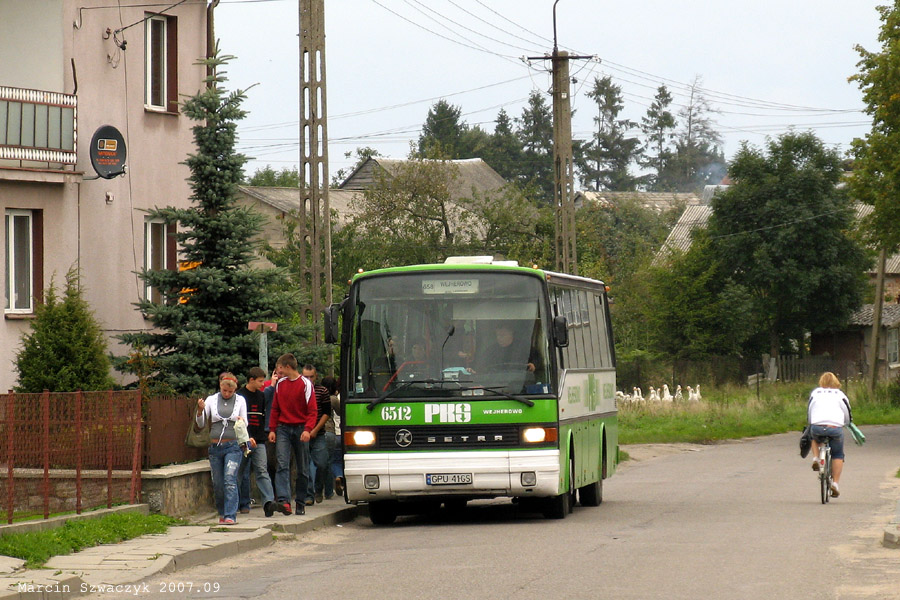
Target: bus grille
{"x": 474, "y": 437}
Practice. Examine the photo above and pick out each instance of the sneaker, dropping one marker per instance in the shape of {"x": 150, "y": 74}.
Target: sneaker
{"x": 835, "y": 492}
{"x": 339, "y": 486}
{"x": 815, "y": 465}
{"x": 309, "y": 502}
{"x": 319, "y": 497}
{"x": 269, "y": 508}
{"x": 301, "y": 509}
{"x": 245, "y": 511}
{"x": 285, "y": 508}
{"x": 226, "y": 521}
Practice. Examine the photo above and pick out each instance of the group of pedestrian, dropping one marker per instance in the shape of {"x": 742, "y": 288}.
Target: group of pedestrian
{"x": 288, "y": 416}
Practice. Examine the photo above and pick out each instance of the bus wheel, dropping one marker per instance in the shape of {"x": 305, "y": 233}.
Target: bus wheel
{"x": 591, "y": 494}
{"x": 383, "y": 512}
{"x": 558, "y": 507}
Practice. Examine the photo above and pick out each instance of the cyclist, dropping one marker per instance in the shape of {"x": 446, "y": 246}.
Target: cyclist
{"x": 827, "y": 412}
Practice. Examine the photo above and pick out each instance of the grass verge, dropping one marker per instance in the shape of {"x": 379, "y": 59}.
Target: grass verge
{"x": 738, "y": 412}
{"x": 37, "y": 547}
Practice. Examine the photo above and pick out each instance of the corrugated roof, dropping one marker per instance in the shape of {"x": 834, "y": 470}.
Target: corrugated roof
{"x": 656, "y": 201}
{"x": 865, "y": 315}
{"x": 679, "y": 239}
{"x": 680, "y": 236}
{"x": 287, "y": 199}
{"x": 473, "y": 173}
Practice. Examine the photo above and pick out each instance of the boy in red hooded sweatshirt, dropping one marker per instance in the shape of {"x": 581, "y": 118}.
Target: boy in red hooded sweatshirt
{"x": 292, "y": 417}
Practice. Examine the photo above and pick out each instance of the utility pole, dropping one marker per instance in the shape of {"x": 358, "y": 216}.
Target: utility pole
{"x": 315, "y": 213}
{"x": 563, "y": 163}
{"x": 872, "y": 375}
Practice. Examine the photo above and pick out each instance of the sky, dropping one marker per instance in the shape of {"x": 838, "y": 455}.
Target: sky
{"x": 766, "y": 66}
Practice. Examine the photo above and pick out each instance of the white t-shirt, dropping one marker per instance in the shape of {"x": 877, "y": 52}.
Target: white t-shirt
{"x": 828, "y": 406}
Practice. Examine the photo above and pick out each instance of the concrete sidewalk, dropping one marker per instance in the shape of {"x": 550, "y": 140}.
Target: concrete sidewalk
{"x": 180, "y": 548}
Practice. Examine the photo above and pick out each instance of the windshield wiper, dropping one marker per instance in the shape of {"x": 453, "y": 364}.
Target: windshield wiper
{"x": 371, "y": 405}
{"x": 499, "y": 392}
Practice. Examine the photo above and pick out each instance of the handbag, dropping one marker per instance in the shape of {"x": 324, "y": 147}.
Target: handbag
{"x": 195, "y": 438}
{"x": 858, "y": 436}
{"x": 805, "y": 442}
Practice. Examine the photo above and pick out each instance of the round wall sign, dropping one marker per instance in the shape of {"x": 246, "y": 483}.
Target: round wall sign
{"x": 108, "y": 152}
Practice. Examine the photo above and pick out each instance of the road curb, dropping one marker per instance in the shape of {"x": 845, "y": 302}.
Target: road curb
{"x": 213, "y": 545}
{"x": 891, "y": 537}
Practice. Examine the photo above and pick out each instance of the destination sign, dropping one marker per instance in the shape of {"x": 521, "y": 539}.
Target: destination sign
{"x": 450, "y": 286}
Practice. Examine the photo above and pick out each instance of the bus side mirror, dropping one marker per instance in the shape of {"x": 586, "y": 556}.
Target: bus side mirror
{"x": 560, "y": 331}
{"x": 332, "y": 314}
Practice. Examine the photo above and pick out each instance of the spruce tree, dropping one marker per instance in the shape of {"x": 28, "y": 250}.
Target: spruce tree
{"x": 607, "y": 158}
{"x": 201, "y": 328}
{"x": 65, "y": 350}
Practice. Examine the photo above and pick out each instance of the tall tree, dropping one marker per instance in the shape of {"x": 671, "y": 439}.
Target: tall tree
{"x": 442, "y": 132}
{"x": 780, "y": 231}
{"x": 606, "y": 161}
{"x": 535, "y": 131}
{"x": 658, "y": 127}
{"x": 65, "y": 350}
{"x": 697, "y": 160}
{"x": 201, "y": 328}
{"x": 876, "y": 167}
{"x": 504, "y": 151}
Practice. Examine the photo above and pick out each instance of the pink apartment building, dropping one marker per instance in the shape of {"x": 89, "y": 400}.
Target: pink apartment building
{"x": 66, "y": 69}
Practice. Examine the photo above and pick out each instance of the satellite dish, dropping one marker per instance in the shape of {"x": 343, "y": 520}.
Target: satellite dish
{"x": 108, "y": 152}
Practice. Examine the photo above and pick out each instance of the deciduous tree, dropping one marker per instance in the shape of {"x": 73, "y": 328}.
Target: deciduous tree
{"x": 781, "y": 232}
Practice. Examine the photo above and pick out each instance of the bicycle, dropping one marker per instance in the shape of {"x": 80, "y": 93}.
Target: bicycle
{"x": 824, "y": 458}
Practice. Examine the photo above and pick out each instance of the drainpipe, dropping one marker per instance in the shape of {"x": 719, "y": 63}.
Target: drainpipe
{"x": 210, "y": 35}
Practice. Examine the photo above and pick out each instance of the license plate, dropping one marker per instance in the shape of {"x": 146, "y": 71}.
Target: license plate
{"x": 448, "y": 478}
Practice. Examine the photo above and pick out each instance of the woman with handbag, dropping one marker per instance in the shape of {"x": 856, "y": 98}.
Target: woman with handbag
{"x": 223, "y": 410}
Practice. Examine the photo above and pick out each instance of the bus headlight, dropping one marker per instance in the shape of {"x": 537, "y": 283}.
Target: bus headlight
{"x": 537, "y": 435}
{"x": 362, "y": 437}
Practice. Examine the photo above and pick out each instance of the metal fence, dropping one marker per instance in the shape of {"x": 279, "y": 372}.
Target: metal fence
{"x": 166, "y": 420}
{"x": 66, "y": 451}
{"x": 719, "y": 370}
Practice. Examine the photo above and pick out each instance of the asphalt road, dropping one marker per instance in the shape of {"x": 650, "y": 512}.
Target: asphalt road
{"x": 732, "y": 521}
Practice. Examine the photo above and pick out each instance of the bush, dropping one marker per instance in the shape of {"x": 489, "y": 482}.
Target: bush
{"x": 65, "y": 350}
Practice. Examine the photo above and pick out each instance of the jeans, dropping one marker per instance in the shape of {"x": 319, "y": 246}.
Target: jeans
{"x": 836, "y": 441}
{"x": 287, "y": 442}
{"x": 258, "y": 463}
{"x": 337, "y": 459}
{"x": 320, "y": 448}
{"x": 224, "y": 462}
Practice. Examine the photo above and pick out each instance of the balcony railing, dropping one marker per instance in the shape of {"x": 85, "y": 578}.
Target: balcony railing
{"x": 37, "y": 127}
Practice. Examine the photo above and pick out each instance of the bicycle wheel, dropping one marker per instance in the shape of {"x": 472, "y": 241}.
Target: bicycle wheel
{"x": 823, "y": 483}
{"x": 828, "y": 476}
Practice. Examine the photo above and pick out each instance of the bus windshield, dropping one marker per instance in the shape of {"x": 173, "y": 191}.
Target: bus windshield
{"x": 449, "y": 334}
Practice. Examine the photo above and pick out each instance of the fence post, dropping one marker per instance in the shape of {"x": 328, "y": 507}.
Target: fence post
{"x": 136, "y": 451}
{"x": 109, "y": 447}
{"x": 10, "y": 448}
{"x": 79, "y": 401}
{"x": 45, "y": 438}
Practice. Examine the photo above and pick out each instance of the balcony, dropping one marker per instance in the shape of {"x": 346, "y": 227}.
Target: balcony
{"x": 38, "y": 130}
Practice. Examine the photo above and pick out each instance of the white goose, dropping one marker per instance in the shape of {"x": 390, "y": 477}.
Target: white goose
{"x": 666, "y": 395}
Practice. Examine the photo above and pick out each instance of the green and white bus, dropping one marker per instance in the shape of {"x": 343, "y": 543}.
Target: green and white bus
{"x": 475, "y": 379}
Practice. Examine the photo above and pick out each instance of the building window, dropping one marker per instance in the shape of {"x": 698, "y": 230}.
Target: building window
{"x": 24, "y": 260}
{"x": 159, "y": 254}
{"x": 161, "y": 58}
{"x": 893, "y": 348}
